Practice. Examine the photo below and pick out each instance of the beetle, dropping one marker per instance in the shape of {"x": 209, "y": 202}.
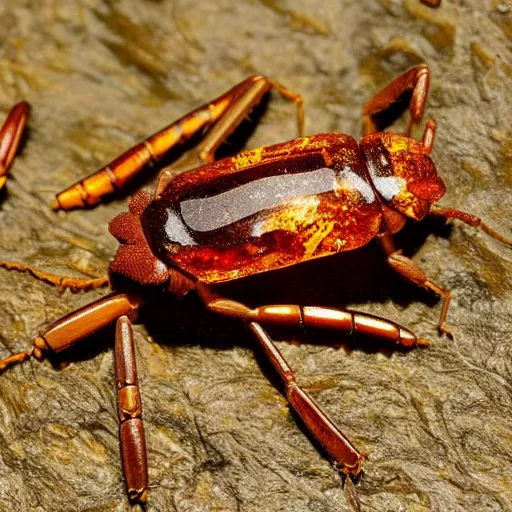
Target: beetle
{"x": 260, "y": 210}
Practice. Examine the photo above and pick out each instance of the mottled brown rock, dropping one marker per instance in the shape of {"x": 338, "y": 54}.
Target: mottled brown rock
{"x": 436, "y": 422}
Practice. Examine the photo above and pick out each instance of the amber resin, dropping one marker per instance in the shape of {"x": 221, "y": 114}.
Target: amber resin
{"x": 265, "y": 209}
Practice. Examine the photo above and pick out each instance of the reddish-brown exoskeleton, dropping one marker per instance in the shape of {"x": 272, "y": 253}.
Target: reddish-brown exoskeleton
{"x": 260, "y": 210}
{"x": 10, "y": 137}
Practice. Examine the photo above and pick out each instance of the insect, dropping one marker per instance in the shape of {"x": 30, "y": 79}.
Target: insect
{"x": 260, "y": 210}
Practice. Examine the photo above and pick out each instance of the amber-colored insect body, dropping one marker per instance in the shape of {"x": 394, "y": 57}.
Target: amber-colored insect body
{"x": 260, "y": 210}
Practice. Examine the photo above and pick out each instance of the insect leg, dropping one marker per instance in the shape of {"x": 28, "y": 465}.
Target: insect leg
{"x": 10, "y": 137}
{"x": 472, "y": 220}
{"x": 317, "y": 422}
{"x": 351, "y": 322}
{"x": 292, "y": 96}
{"x": 386, "y": 105}
{"x": 60, "y": 282}
{"x": 429, "y": 135}
{"x": 414, "y": 274}
{"x": 89, "y": 191}
{"x": 321, "y": 427}
{"x": 250, "y": 95}
{"x": 131, "y": 429}
{"x": 76, "y": 326}
{"x": 244, "y": 97}
{"x": 113, "y": 176}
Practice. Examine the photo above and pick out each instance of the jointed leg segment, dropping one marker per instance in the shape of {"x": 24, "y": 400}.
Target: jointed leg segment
{"x": 60, "y": 282}
{"x": 318, "y": 423}
{"x": 37, "y": 352}
{"x": 321, "y": 427}
{"x": 132, "y": 439}
{"x": 351, "y": 322}
{"x": 75, "y": 326}
{"x": 414, "y": 81}
{"x": 471, "y": 220}
{"x": 221, "y": 117}
{"x": 415, "y": 275}
{"x": 242, "y": 99}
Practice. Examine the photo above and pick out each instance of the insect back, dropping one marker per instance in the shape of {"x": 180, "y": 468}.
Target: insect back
{"x": 265, "y": 209}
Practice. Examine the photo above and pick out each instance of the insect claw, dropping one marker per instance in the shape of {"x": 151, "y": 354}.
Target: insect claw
{"x": 444, "y": 329}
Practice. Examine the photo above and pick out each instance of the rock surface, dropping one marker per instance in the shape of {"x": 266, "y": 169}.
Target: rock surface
{"x": 102, "y": 75}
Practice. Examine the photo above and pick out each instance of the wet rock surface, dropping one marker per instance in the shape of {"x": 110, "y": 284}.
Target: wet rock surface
{"x": 102, "y": 75}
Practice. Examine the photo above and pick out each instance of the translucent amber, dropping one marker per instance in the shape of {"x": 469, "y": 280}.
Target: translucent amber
{"x": 265, "y": 209}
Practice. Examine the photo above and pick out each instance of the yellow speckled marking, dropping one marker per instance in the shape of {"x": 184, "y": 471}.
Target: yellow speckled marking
{"x": 299, "y": 217}
{"x": 398, "y": 144}
{"x": 317, "y": 237}
{"x": 407, "y": 203}
{"x": 303, "y": 143}
{"x": 247, "y": 158}
{"x": 295, "y": 217}
{"x": 410, "y": 212}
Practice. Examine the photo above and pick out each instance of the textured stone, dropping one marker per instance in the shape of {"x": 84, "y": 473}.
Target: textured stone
{"x": 101, "y": 75}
